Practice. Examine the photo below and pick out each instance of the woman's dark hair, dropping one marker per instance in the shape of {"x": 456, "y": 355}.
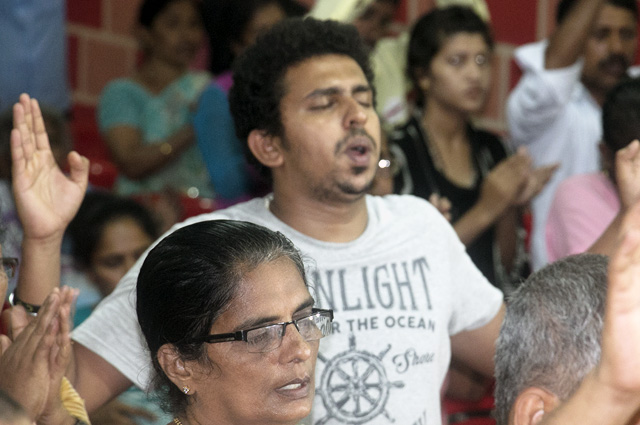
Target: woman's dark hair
{"x": 188, "y": 280}
{"x": 431, "y": 32}
{"x": 98, "y": 210}
{"x": 259, "y": 72}
{"x": 149, "y": 9}
{"x": 226, "y": 22}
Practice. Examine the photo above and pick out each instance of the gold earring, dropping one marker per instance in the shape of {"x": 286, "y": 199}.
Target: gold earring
{"x": 186, "y": 389}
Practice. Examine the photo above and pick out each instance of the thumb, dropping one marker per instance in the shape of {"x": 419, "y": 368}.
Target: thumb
{"x": 79, "y": 168}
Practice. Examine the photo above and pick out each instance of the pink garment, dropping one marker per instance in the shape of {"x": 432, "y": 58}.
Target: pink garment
{"x": 225, "y": 81}
{"x": 582, "y": 209}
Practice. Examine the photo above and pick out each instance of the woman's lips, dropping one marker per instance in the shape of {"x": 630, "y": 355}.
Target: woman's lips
{"x": 296, "y": 389}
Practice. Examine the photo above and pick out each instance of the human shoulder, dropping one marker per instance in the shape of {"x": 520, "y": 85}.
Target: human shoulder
{"x": 254, "y": 211}
{"x": 122, "y": 93}
{"x": 121, "y": 103}
{"x": 577, "y": 188}
{"x": 123, "y": 85}
{"x": 403, "y": 208}
{"x": 213, "y": 96}
{"x": 201, "y": 79}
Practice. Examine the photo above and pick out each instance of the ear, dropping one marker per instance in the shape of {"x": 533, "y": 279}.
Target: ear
{"x": 421, "y": 76}
{"x": 174, "y": 367}
{"x": 266, "y": 148}
{"x": 425, "y": 83}
{"x": 531, "y": 405}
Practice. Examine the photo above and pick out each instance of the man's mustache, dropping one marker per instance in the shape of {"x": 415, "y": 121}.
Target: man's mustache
{"x": 614, "y": 60}
{"x": 352, "y": 133}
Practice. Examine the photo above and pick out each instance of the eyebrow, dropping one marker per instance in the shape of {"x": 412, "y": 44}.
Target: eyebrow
{"x": 252, "y": 323}
{"x": 330, "y": 91}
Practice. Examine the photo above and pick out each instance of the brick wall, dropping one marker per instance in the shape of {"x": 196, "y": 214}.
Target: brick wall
{"x": 102, "y": 47}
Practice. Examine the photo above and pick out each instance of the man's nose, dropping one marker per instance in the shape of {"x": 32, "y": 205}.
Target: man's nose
{"x": 356, "y": 115}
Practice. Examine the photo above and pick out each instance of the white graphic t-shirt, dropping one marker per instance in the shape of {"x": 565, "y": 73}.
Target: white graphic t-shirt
{"x": 398, "y": 292}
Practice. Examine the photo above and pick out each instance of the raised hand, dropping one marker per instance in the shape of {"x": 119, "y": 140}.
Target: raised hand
{"x": 442, "y": 204}
{"x": 619, "y": 366}
{"x": 503, "y": 185}
{"x": 46, "y": 199}
{"x": 627, "y": 174}
{"x": 536, "y": 181}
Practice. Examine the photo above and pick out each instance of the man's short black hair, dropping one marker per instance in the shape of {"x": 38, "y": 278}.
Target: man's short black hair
{"x": 621, "y": 115}
{"x": 258, "y": 79}
{"x": 565, "y": 6}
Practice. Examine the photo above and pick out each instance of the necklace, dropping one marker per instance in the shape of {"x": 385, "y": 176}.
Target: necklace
{"x": 433, "y": 149}
{"x": 437, "y": 159}
{"x": 177, "y": 421}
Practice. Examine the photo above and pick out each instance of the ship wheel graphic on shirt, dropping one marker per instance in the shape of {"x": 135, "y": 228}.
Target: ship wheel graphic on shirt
{"x": 354, "y": 386}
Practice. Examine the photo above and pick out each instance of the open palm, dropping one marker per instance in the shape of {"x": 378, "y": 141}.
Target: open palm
{"x": 46, "y": 198}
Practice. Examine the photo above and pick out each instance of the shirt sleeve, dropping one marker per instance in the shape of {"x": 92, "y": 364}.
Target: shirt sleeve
{"x": 120, "y": 104}
{"x": 540, "y": 95}
{"x": 112, "y": 330}
{"x": 113, "y": 333}
{"x": 475, "y": 301}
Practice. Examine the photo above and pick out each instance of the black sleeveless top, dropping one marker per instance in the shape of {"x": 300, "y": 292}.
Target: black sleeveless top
{"x": 419, "y": 176}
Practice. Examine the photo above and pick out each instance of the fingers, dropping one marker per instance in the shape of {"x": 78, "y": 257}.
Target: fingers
{"x": 22, "y": 121}
{"x": 5, "y": 343}
{"x": 65, "y": 319}
{"x": 627, "y": 174}
{"x": 35, "y": 339}
{"x": 628, "y": 252}
{"x": 18, "y": 320}
{"x": 46, "y": 327}
{"x": 4, "y": 282}
{"x": 543, "y": 174}
{"x": 27, "y": 119}
{"x": 445, "y": 203}
{"x": 38, "y": 128}
{"x": 630, "y": 151}
{"x": 79, "y": 168}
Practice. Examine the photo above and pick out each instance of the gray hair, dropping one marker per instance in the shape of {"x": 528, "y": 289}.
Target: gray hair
{"x": 550, "y": 337}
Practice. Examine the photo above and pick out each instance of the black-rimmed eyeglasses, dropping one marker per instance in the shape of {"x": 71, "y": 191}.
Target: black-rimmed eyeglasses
{"x": 9, "y": 265}
{"x": 266, "y": 338}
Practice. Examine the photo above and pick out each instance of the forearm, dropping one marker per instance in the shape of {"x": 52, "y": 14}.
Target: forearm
{"x": 567, "y": 43}
{"x": 476, "y": 221}
{"x": 40, "y": 268}
{"x": 94, "y": 378}
{"x": 476, "y": 348}
{"x": 141, "y": 160}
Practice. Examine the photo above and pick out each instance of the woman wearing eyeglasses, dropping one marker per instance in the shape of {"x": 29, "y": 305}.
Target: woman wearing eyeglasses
{"x": 230, "y": 325}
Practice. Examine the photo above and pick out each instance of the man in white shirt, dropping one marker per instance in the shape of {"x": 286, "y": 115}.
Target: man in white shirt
{"x": 555, "y": 110}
